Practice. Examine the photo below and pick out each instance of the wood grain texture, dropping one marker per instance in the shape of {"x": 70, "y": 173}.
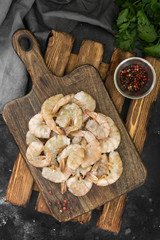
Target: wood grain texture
{"x": 41, "y": 205}
{"x": 58, "y": 52}
{"x": 118, "y": 56}
{"x": 84, "y": 218}
{"x": 72, "y": 63}
{"x": 20, "y": 185}
{"x": 112, "y": 215}
{"x": 88, "y": 56}
{"x": 34, "y": 187}
{"x": 103, "y": 70}
{"x": 17, "y": 117}
{"x": 137, "y": 119}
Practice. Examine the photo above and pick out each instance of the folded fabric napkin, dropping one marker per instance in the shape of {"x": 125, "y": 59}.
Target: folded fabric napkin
{"x": 40, "y": 16}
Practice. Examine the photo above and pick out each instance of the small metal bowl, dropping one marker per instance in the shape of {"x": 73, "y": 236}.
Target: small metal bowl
{"x": 143, "y": 91}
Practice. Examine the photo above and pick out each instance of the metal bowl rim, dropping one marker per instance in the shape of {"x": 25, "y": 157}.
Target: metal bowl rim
{"x": 142, "y": 60}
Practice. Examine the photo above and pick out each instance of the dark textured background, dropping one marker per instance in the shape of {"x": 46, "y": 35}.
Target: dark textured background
{"x": 141, "y": 219}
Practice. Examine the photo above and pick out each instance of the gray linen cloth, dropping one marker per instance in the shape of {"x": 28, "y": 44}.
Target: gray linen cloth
{"x": 40, "y": 16}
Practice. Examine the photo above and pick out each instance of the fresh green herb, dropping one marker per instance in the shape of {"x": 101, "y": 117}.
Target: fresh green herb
{"x": 153, "y": 50}
{"x": 146, "y": 30}
{"x": 123, "y": 17}
{"x": 139, "y": 21}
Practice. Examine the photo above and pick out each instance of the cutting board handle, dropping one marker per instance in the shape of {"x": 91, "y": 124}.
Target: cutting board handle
{"x": 28, "y": 49}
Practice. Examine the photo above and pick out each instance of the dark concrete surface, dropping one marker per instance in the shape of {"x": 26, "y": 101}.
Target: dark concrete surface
{"x": 141, "y": 218}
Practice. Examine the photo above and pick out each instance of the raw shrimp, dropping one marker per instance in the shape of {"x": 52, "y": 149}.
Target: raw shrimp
{"x": 38, "y": 127}
{"x": 33, "y": 155}
{"x": 55, "y": 145}
{"x": 53, "y": 134}
{"x": 76, "y": 139}
{"x": 73, "y": 155}
{"x": 63, "y": 101}
{"x": 31, "y": 138}
{"x": 92, "y": 149}
{"x": 84, "y": 143}
{"x": 99, "y": 125}
{"x": 54, "y": 174}
{"x": 81, "y": 171}
{"x": 112, "y": 142}
{"x": 108, "y": 170}
{"x": 85, "y": 101}
{"x": 80, "y": 140}
{"x": 70, "y": 117}
{"x": 79, "y": 186}
{"x": 46, "y": 111}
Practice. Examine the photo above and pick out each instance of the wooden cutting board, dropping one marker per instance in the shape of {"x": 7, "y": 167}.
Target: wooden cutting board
{"x": 18, "y": 113}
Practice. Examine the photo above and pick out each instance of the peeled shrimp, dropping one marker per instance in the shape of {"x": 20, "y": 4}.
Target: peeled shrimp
{"x": 108, "y": 170}
{"x": 73, "y": 154}
{"x": 112, "y": 142}
{"x": 54, "y": 174}
{"x": 99, "y": 125}
{"x": 63, "y": 101}
{"x": 85, "y": 101}
{"x": 46, "y": 111}
{"x": 76, "y": 139}
{"x": 81, "y": 171}
{"x": 38, "y": 127}
{"x": 31, "y": 138}
{"x": 55, "y": 145}
{"x": 92, "y": 148}
{"x": 79, "y": 186}
{"x": 70, "y": 117}
{"x": 84, "y": 143}
{"x": 33, "y": 155}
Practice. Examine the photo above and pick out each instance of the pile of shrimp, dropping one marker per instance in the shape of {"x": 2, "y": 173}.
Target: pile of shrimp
{"x": 74, "y": 145}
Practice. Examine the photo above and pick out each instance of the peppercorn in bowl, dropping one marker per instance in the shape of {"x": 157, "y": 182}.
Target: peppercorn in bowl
{"x": 134, "y": 78}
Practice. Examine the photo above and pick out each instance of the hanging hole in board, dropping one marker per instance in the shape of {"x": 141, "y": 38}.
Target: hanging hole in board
{"x": 25, "y": 42}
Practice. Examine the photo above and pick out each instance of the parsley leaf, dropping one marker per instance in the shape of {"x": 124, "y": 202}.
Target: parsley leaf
{"x": 126, "y": 40}
{"x": 153, "y": 50}
{"x": 122, "y": 17}
{"x": 146, "y": 30}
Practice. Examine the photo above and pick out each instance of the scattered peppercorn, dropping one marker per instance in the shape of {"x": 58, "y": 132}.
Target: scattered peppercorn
{"x": 133, "y": 78}
{"x": 62, "y": 206}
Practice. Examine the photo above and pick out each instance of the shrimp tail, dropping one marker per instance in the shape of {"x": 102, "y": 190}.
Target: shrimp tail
{"x": 63, "y": 187}
{"x": 62, "y": 164}
{"x": 62, "y": 101}
{"x": 49, "y": 157}
{"x": 59, "y": 131}
{"x": 90, "y": 113}
{"x": 91, "y": 177}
